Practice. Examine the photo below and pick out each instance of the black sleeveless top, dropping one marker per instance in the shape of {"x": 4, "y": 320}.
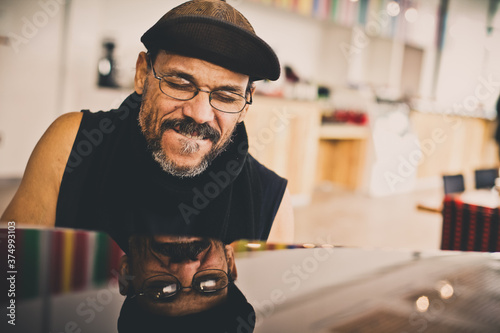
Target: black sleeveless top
{"x": 112, "y": 183}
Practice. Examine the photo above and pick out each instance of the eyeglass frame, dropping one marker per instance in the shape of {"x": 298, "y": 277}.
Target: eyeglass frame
{"x": 181, "y": 287}
{"x": 198, "y": 91}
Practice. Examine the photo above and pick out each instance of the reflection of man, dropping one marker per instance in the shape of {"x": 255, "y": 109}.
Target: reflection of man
{"x": 175, "y": 154}
{"x": 184, "y": 283}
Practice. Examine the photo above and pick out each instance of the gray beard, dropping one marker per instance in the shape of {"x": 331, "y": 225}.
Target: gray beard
{"x": 182, "y": 172}
{"x": 189, "y": 147}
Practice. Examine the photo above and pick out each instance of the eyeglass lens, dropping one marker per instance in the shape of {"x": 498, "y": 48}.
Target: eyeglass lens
{"x": 179, "y": 88}
{"x": 165, "y": 286}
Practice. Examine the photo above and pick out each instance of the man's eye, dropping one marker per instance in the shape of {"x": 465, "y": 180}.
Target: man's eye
{"x": 210, "y": 282}
{"x": 161, "y": 288}
{"x": 168, "y": 289}
{"x": 225, "y": 97}
{"x": 179, "y": 84}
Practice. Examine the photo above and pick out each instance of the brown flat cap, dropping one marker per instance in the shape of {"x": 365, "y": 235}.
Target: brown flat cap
{"x": 214, "y": 31}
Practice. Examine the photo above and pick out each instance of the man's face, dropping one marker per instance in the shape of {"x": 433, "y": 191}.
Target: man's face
{"x": 204, "y": 254}
{"x": 172, "y": 127}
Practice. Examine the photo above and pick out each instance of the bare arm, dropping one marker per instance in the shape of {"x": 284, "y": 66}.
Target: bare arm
{"x": 36, "y": 199}
{"x": 282, "y": 230}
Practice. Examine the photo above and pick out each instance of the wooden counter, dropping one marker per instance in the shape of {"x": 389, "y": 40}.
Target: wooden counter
{"x": 341, "y": 158}
{"x": 283, "y": 135}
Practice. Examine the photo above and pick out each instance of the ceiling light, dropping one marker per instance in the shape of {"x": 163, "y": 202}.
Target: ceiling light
{"x": 393, "y": 8}
{"x": 411, "y": 15}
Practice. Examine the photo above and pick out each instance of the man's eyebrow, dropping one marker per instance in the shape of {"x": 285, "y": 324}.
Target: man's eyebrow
{"x": 183, "y": 75}
{"x": 231, "y": 88}
{"x": 228, "y": 87}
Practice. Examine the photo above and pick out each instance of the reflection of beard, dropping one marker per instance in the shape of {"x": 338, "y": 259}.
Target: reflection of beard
{"x": 185, "y": 126}
{"x": 180, "y": 252}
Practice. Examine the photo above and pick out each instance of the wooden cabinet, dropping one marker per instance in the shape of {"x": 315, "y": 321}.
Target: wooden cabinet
{"x": 287, "y": 137}
{"x": 283, "y": 135}
{"x": 341, "y": 157}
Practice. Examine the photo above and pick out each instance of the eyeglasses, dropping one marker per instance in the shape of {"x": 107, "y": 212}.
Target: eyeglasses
{"x": 165, "y": 286}
{"x": 183, "y": 90}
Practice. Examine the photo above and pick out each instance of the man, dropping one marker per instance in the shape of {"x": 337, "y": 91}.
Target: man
{"x": 183, "y": 284}
{"x": 174, "y": 157}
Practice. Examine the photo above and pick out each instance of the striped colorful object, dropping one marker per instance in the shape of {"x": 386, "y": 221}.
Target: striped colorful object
{"x": 362, "y": 11}
{"x": 257, "y": 245}
{"x": 370, "y": 15}
{"x": 61, "y": 260}
{"x": 28, "y": 263}
{"x": 469, "y": 227}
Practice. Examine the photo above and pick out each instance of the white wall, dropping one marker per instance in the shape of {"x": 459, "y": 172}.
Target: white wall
{"x": 297, "y": 40}
{"x": 422, "y": 33}
{"x": 93, "y": 21}
{"x": 333, "y": 65}
{"x": 29, "y": 78}
{"x": 465, "y": 58}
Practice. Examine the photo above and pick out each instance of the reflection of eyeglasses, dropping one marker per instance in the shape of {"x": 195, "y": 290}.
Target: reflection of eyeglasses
{"x": 164, "y": 286}
{"x": 184, "y": 90}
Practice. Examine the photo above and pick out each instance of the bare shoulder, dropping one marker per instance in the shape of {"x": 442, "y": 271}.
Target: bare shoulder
{"x": 64, "y": 128}
{"x": 36, "y": 199}
{"x": 52, "y": 151}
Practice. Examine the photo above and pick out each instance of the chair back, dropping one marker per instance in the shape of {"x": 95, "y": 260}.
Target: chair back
{"x": 485, "y": 178}
{"x": 453, "y": 184}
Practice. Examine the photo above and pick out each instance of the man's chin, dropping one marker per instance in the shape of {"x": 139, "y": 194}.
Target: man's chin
{"x": 189, "y": 159}
{"x": 177, "y": 168}
{"x": 187, "y": 162}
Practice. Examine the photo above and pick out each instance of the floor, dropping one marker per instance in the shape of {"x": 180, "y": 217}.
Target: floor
{"x": 346, "y": 218}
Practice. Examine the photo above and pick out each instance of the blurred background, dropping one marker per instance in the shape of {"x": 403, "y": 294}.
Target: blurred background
{"x": 377, "y": 100}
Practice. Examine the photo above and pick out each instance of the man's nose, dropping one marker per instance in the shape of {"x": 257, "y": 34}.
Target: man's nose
{"x": 184, "y": 271}
{"x": 199, "y": 108}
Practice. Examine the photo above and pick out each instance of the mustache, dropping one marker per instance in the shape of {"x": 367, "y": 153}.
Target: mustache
{"x": 189, "y": 126}
{"x": 180, "y": 252}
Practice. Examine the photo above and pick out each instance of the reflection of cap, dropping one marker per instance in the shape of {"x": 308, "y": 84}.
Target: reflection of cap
{"x": 234, "y": 315}
{"x": 214, "y": 31}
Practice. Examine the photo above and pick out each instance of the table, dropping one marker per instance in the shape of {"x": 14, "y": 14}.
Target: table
{"x": 301, "y": 288}
{"x": 345, "y": 290}
{"x": 471, "y": 221}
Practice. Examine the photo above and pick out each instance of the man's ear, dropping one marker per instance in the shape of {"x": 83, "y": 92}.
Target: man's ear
{"x": 245, "y": 110}
{"x": 141, "y": 72}
{"x": 123, "y": 282}
{"x": 231, "y": 263}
